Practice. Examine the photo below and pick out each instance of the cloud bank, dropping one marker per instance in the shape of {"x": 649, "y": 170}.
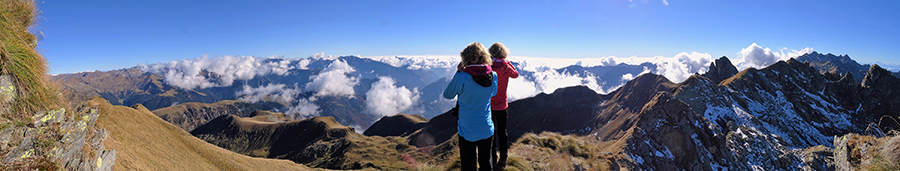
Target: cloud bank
{"x": 299, "y": 108}
{"x": 272, "y": 92}
{"x": 303, "y": 108}
{"x": 544, "y": 77}
{"x": 387, "y": 99}
{"x": 205, "y": 72}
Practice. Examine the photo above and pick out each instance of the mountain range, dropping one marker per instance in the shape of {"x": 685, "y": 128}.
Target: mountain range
{"x": 780, "y": 117}
{"x": 341, "y": 87}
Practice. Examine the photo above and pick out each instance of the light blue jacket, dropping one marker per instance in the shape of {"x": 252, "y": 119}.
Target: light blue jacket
{"x": 474, "y": 106}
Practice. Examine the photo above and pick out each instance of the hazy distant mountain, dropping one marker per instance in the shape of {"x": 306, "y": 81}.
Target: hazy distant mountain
{"x": 839, "y": 65}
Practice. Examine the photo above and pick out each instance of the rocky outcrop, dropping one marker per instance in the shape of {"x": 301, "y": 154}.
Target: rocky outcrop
{"x": 720, "y": 69}
{"x": 397, "y": 125}
{"x": 667, "y": 134}
{"x": 861, "y": 152}
{"x": 71, "y": 141}
{"x": 879, "y": 97}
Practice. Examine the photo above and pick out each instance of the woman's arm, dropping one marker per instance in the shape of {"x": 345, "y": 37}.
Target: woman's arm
{"x": 454, "y": 88}
{"x": 512, "y": 70}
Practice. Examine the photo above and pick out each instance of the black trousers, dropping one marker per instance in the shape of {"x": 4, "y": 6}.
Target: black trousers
{"x": 501, "y": 143}
{"x": 467, "y": 155}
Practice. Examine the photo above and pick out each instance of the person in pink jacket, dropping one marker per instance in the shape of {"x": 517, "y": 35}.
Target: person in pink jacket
{"x": 504, "y": 71}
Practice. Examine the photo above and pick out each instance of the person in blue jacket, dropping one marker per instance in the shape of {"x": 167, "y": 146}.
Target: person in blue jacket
{"x": 474, "y": 86}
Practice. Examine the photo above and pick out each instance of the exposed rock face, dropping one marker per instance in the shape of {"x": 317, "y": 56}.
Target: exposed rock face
{"x": 71, "y": 141}
{"x": 781, "y": 117}
{"x": 666, "y": 134}
{"x": 880, "y": 96}
{"x": 7, "y": 92}
{"x": 397, "y": 125}
{"x": 720, "y": 69}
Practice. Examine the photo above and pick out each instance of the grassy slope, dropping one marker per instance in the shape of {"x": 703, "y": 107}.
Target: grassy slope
{"x": 145, "y": 142}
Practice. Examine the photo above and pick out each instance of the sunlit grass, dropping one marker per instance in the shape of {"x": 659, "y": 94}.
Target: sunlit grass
{"x": 20, "y": 60}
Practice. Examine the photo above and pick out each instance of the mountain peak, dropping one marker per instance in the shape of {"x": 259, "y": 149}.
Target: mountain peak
{"x": 826, "y": 63}
{"x": 720, "y": 70}
{"x": 878, "y": 77}
{"x": 638, "y": 91}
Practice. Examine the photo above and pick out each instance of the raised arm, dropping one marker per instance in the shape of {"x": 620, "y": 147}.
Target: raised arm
{"x": 513, "y": 72}
{"x": 454, "y": 88}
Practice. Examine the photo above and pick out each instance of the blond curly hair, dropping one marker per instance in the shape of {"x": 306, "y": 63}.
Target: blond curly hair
{"x": 475, "y": 53}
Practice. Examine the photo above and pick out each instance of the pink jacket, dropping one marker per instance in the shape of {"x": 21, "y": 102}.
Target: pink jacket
{"x": 504, "y": 70}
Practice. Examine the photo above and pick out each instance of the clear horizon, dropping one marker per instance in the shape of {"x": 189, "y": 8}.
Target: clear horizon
{"x": 106, "y": 35}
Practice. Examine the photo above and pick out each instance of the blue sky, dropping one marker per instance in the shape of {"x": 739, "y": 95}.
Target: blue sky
{"x": 107, "y": 35}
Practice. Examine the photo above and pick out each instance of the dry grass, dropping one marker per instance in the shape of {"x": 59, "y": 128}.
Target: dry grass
{"x": 19, "y": 59}
{"x": 145, "y": 142}
{"x": 885, "y": 158}
{"x": 552, "y": 151}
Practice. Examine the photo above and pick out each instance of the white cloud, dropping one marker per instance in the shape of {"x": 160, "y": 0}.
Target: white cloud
{"x": 683, "y": 65}
{"x": 384, "y": 98}
{"x": 758, "y": 57}
{"x": 549, "y": 80}
{"x": 519, "y": 88}
{"x": 303, "y": 108}
{"x": 627, "y": 77}
{"x": 666, "y": 3}
{"x": 205, "y": 72}
{"x": 274, "y": 92}
{"x": 333, "y": 80}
